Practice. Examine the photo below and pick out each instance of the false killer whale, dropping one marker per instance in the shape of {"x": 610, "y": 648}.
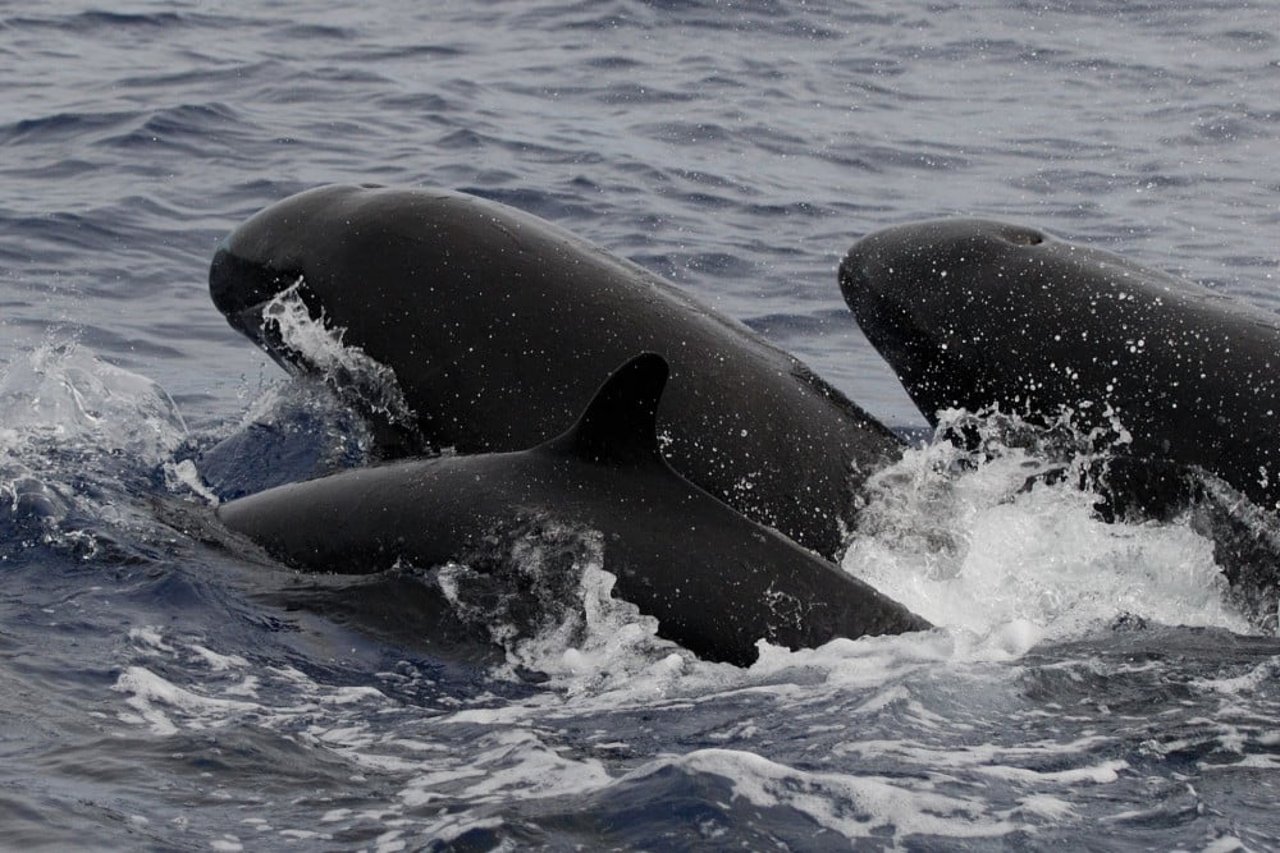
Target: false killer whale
{"x": 497, "y": 327}
{"x": 716, "y": 581}
{"x": 972, "y": 313}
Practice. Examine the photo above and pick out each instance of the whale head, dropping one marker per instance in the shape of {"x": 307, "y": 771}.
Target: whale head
{"x": 930, "y": 296}
{"x": 277, "y": 250}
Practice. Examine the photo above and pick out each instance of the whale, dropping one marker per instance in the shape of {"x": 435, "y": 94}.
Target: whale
{"x": 716, "y": 581}
{"x": 483, "y": 329}
{"x": 974, "y": 313}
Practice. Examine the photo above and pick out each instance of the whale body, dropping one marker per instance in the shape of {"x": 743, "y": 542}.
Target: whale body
{"x": 716, "y": 581}
{"x": 973, "y": 313}
{"x": 497, "y": 328}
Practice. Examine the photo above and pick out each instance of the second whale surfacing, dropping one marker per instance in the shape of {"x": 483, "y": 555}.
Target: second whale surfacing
{"x": 974, "y": 313}
{"x": 715, "y": 581}
{"x": 498, "y": 327}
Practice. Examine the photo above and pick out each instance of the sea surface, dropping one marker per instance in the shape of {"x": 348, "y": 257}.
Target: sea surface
{"x": 1089, "y": 686}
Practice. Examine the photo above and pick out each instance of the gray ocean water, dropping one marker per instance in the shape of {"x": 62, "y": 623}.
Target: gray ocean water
{"x": 1090, "y": 686}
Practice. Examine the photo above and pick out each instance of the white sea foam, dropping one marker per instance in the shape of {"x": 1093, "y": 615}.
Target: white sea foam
{"x": 960, "y": 540}
{"x": 1257, "y": 677}
{"x": 184, "y": 475}
{"x": 854, "y": 806}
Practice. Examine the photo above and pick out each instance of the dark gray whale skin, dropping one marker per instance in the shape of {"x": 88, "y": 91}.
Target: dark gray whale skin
{"x": 716, "y": 581}
{"x": 971, "y": 313}
{"x": 500, "y": 326}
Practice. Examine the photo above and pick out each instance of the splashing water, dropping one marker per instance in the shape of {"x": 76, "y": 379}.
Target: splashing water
{"x": 60, "y": 392}
{"x": 76, "y": 434}
{"x": 959, "y": 536}
{"x": 356, "y": 378}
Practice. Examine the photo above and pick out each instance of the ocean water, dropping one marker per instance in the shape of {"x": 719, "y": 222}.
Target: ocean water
{"x": 1089, "y": 686}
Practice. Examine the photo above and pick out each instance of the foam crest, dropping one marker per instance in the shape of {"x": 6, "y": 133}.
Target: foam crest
{"x": 986, "y": 539}
{"x": 362, "y": 726}
{"x": 861, "y": 806}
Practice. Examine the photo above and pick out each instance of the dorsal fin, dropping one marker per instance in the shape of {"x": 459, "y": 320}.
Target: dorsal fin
{"x": 619, "y": 425}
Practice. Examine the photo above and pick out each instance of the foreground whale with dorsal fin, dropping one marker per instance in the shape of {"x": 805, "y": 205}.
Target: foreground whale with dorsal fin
{"x": 716, "y": 581}
{"x": 498, "y": 327}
